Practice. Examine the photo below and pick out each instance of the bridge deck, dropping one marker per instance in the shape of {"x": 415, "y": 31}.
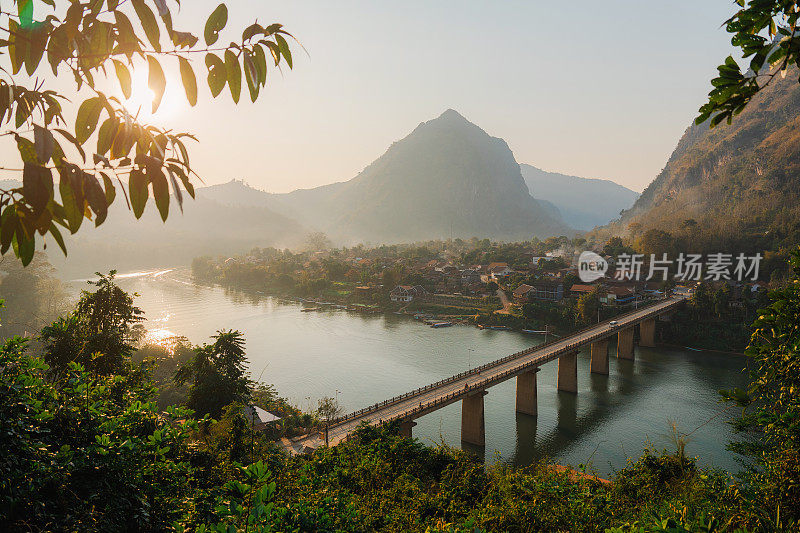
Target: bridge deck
{"x": 432, "y": 397}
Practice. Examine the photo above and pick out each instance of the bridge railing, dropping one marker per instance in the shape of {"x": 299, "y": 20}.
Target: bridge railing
{"x": 498, "y": 362}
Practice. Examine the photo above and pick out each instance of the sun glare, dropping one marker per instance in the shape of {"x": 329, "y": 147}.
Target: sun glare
{"x": 140, "y": 103}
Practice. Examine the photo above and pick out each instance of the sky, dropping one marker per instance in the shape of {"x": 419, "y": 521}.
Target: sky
{"x": 593, "y": 89}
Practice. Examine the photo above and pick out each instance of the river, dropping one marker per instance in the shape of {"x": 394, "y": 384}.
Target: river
{"x": 362, "y": 359}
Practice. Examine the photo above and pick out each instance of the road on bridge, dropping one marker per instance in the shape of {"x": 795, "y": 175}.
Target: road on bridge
{"x": 418, "y": 403}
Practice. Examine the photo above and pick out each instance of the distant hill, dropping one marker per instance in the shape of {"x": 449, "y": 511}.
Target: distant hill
{"x": 738, "y": 185}
{"x": 583, "y": 202}
{"x": 206, "y": 227}
{"x": 227, "y": 226}
{"x": 448, "y": 177}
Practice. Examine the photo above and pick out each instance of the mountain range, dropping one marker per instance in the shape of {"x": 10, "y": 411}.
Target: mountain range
{"x": 583, "y": 202}
{"x": 447, "y": 178}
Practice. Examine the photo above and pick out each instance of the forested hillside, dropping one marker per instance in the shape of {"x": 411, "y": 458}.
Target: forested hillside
{"x": 734, "y": 186}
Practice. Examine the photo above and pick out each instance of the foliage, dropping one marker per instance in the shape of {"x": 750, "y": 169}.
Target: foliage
{"x": 86, "y": 453}
{"x": 87, "y": 40}
{"x": 33, "y": 296}
{"x": 772, "y": 407}
{"x": 766, "y": 31}
{"x": 328, "y": 408}
{"x": 98, "y": 334}
{"x": 216, "y": 374}
{"x": 162, "y": 361}
{"x": 588, "y": 306}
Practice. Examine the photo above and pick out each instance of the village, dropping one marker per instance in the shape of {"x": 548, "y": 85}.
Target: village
{"x": 531, "y": 286}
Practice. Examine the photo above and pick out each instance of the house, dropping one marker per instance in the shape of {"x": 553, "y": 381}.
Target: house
{"x": 498, "y": 270}
{"x": 619, "y": 295}
{"x": 258, "y": 417}
{"x": 470, "y": 276}
{"x": 521, "y": 293}
{"x": 406, "y": 293}
{"x": 579, "y": 289}
{"x": 547, "y": 290}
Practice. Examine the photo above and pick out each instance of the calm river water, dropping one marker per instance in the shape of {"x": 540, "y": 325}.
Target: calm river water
{"x": 364, "y": 359}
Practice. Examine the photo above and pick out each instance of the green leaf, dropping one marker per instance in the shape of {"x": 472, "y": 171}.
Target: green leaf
{"x": 156, "y": 81}
{"x": 149, "y": 23}
{"x": 215, "y": 23}
{"x": 251, "y": 77}
{"x": 234, "y": 75}
{"x": 189, "y": 81}
{"x": 182, "y": 39}
{"x": 260, "y": 60}
{"x": 160, "y": 192}
{"x": 26, "y": 247}
{"x": 25, "y": 12}
{"x": 37, "y": 41}
{"x": 16, "y": 47}
{"x": 71, "y": 190}
{"x": 124, "y": 77}
{"x": 96, "y": 197}
{"x": 284, "y": 48}
{"x": 37, "y": 186}
{"x": 111, "y": 191}
{"x": 137, "y": 185}
{"x": 54, "y": 231}
{"x": 126, "y": 35}
{"x": 8, "y": 226}
{"x": 251, "y": 31}
{"x": 216, "y": 74}
{"x": 86, "y": 121}
{"x": 106, "y": 135}
{"x": 44, "y": 141}
{"x": 27, "y": 150}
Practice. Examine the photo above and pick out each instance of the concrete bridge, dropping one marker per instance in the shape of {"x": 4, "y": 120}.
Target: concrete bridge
{"x": 470, "y": 387}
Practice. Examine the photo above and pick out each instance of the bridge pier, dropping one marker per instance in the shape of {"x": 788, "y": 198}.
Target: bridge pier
{"x": 526, "y": 392}
{"x": 625, "y": 343}
{"x": 599, "y": 360}
{"x": 405, "y": 428}
{"x": 647, "y": 332}
{"x": 473, "y": 427}
{"x": 568, "y": 372}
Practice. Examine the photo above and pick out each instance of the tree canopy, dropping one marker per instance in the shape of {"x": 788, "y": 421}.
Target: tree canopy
{"x": 766, "y": 32}
{"x": 89, "y": 41}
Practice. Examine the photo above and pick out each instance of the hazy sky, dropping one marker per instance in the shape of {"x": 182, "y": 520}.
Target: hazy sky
{"x": 595, "y": 89}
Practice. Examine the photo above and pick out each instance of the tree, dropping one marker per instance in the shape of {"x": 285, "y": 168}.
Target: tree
{"x": 317, "y": 242}
{"x": 216, "y": 374}
{"x": 89, "y": 41}
{"x": 588, "y": 306}
{"x": 328, "y": 408}
{"x": 33, "y": 296}
{"x": 656, "y": 241}
{"x": 772, "y": 406}
{"x": 767, "y": 32}
{"x": 98, "y": 334}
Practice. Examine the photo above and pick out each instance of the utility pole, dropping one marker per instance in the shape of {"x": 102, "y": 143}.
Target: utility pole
{"x": 326, "y": 433}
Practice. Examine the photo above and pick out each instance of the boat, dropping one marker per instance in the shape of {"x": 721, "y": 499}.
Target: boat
{"x": 441, "y": 325}
{"x": 500, "y": 328}
{"x": 307, "y": 309}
